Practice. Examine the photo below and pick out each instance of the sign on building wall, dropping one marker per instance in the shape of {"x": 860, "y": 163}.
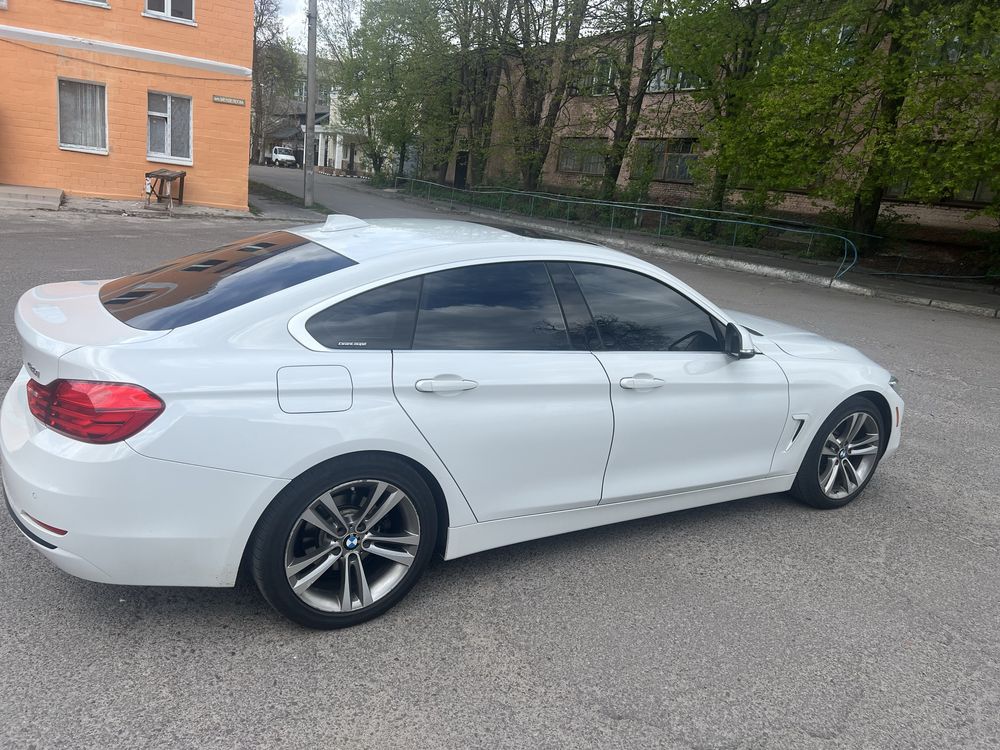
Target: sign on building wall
{"x": 215, "y": 97}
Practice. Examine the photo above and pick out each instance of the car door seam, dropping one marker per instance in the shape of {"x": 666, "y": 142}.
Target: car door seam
{"x": 611, "y": 445}
{"x": 392, "y": 382}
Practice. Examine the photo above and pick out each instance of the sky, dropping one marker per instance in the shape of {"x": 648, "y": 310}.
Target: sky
{"x": 293, "y": 13}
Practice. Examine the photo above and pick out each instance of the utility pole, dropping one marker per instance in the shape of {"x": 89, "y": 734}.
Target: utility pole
{"x": 310, "y": 134}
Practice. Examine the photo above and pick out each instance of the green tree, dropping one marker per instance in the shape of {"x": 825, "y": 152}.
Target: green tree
{"x": 722, "y": 45}
{"x": 538, "y": 67}
{"x": 392, "y": 73}
{"x": 479, "y": 32}
{"x": 275, "y": 72}
{"x": 866, "y": 97}
{"x": 624, "y": 54}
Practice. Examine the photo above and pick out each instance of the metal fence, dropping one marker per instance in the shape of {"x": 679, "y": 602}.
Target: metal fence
{"x": 622, "y": 219}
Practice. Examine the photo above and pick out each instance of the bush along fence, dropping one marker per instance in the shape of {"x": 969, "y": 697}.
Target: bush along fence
{"x": 618, "y": 219}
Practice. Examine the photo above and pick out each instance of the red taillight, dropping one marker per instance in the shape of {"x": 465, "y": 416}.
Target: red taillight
{"x": 91, "y": 411}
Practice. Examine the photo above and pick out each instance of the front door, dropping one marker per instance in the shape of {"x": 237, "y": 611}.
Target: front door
{"x": 522, "y": 422}
{"x": 687, "y": 415}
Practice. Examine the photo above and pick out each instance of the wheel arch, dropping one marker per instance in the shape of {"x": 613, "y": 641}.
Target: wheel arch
{"x": 882, "y": 404}
{"x": 437, "y": 492}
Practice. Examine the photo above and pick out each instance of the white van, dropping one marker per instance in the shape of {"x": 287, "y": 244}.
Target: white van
{"x": 282, "y": 156}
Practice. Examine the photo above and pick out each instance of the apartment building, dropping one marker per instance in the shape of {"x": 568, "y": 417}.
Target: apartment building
{"x": 95, "y": 93}
{"x": 667, "y": 142}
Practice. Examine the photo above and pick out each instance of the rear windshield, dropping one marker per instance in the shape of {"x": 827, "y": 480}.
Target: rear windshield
{"x": 199, "y": 286}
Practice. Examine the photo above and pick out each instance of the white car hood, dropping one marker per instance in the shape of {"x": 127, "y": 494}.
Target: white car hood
{"x": 795, "y": 341}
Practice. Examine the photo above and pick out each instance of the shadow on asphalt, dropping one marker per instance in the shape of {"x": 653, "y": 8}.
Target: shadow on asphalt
{"x": 243, "y": 611}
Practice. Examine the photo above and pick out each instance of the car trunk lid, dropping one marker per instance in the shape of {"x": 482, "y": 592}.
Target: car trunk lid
{"x": 54, "y": 319}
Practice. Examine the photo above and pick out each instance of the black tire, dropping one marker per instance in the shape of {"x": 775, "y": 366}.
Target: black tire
{"x": 807, "y": 488}
{"x": 271, "y": 537}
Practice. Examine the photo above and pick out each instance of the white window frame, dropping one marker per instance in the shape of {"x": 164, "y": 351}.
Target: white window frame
{"x": 667, "y": 78}
{"x": 165, "y": 14}
{"x": 95, "y": 3}
{"x": 168, "y": 158}
{"x": 70, "y": 146}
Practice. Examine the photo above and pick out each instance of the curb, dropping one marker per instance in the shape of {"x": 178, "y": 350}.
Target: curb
{"x": 152, "y": 215}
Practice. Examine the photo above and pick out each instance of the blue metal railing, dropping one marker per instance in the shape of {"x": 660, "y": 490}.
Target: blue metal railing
{"x": 635, "y": 217}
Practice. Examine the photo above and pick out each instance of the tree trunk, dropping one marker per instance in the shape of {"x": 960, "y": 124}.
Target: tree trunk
{"x": 402, "y": 159}
{"x": 538, "y": 82}
{"x": 720, "y": 184}
{"x": 864, "y": 214}
{"x": 612, "y": 170}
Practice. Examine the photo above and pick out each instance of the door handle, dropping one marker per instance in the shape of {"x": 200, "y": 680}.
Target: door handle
{"x": 641, "y": 382}
{"x": 445, "y": 385}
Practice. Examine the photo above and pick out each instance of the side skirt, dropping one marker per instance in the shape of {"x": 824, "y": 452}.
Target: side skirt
{"x": 476, "y": 537}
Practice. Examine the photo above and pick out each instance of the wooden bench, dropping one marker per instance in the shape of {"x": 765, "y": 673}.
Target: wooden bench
{"x": 160, "y": 182}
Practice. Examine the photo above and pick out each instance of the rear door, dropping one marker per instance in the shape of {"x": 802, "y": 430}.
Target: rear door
{"x": 522, "y": 420}
{"x": 687, "y": 415}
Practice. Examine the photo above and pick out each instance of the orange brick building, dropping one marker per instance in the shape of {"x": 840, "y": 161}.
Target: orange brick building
{"x": 95, "y": 93}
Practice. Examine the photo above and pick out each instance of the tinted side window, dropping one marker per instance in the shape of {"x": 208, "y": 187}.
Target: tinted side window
{"x": 381, "y": 318}
{"x": 496, "y": 306}
{"x": 636, "y": 313}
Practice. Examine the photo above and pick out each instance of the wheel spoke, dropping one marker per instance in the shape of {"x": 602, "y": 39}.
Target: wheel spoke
{"x": 313, "y": 575}
{"x": 829, "y": 480}
{"x": 862, "y": 451}
{"x": 400, "y": 556}
{"x": 850, "y": 475}
{"x": 330, "y": 504}
{"x": 297, "y": 566}
{"x": 345, "y": 586}
{"x": 830, "y": 448}
{"x": 380, "y": 512}
{"x": 873, "y": 438}
{"x": 311, "y": 516}
{"x": 407, "y": 538}
{"x": 380, "y": 488}
{"x": 857, "y": 421}
{"x": 364, "y": 594}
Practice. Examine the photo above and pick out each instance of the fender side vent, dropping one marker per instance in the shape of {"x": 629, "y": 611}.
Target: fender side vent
{"x": 800, "y": 420}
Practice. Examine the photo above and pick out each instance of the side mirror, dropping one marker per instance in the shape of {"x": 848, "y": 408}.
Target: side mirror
{"x": 735, "y": 346}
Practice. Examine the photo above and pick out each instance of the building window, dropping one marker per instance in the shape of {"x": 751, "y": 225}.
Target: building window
{"x": 596, "y": 78}
{"x": 83, "y": 121}
{"x": 582, "y": 155}
{"x": 169, "y": 120}
{"x": 979, "y": 193}
{"x": 667, "y": 78}
{"x": 180, "y": 9}
{"x": 671, "y": 159}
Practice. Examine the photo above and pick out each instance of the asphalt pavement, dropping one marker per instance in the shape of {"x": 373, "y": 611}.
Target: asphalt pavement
{"x": 753, "y": 624}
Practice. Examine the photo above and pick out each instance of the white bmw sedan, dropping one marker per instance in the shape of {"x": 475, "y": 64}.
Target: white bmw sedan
{"x": 327, "y": 406}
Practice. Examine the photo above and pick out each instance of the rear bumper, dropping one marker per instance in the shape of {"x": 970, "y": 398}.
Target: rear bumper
{"x": 129, "y": 519}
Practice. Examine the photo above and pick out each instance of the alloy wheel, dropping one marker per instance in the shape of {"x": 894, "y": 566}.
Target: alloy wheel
{"x": 352, "y": 545}
{"x": 848, "y": 456}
